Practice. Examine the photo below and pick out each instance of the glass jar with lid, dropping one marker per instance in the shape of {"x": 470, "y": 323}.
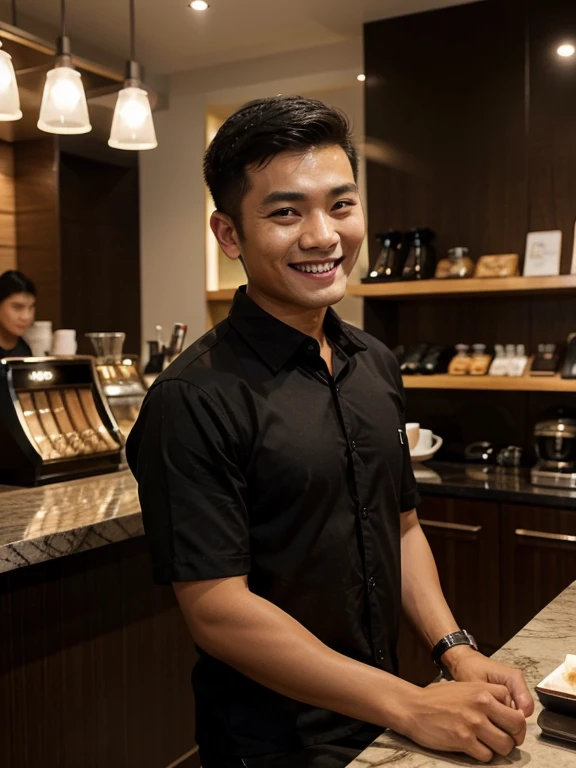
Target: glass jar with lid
{"x": 458, "y": 264}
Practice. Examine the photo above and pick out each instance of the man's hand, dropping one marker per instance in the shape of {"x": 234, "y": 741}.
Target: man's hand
{"x": 474, "y": 718}
{"x": 468, "y": 666}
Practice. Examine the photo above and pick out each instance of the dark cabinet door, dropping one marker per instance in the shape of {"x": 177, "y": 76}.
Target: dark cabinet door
{"x": 538, "y": 560}
{"x": 464, "y": 538}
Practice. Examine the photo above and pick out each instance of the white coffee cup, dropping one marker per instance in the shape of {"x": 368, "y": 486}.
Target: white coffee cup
{"x": 64, "y": 342}
{"x": 413, "y": 434}
{"x": 39, "y": 338}
{"x": 425, "y": 441}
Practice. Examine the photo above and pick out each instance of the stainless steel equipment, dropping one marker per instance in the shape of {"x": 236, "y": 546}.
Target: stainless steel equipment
{"x": 556, "y": 450}
{"x": 120, "y": 377}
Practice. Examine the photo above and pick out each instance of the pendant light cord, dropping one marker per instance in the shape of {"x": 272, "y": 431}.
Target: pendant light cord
{"x": 14, "y": 16}
{"x": 132, "y": 31}
{"x": 63, "y": 18}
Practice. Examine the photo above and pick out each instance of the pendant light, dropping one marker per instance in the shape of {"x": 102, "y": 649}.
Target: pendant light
{"x": 64, "y": 109}
{"x": 132, "y": 125}
{"x": 9, "y": 96}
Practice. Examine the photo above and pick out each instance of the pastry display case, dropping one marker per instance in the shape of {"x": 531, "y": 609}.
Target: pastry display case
{"x": 55, "y": 421}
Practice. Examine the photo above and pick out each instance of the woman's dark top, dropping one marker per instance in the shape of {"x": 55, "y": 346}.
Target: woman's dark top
{"x": 20, "y": 350}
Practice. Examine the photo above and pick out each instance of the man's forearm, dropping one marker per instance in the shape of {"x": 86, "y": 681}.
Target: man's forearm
{"x": 266, "y": 644}
{"x": 423, "y": 601}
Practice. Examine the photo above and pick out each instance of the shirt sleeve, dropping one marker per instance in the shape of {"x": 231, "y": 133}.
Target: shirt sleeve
{"x": 409, "y": 494}
{"x": 192, "y": 492}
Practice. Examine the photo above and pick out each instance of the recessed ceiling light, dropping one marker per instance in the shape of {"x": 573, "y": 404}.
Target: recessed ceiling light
{"x": 566, "y": 50}
{"x": 361, "y": 78}
{"x": 199, "y": 5}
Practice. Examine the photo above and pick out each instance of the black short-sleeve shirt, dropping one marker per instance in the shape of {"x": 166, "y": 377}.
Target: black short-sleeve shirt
{"x": 252, "y": 459}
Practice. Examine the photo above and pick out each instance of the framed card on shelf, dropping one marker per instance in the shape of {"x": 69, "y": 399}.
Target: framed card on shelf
{"x": 543, "y": 253}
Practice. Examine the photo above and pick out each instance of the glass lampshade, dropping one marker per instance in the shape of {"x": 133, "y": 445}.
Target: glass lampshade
{"x": 64, "y": 109}
{"x": 132, "y": 126}
{"x": 9, "y": 96}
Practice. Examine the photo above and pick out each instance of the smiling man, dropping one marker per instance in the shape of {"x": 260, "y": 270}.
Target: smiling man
{"x": 277, "y": 491}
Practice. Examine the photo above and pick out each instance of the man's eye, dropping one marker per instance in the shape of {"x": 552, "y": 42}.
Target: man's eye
{"x": 284, "y": 212}
{"x": 341, "y": 204}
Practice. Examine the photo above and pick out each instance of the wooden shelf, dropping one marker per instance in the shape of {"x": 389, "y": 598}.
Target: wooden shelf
{"x": 224, "y": 294}
{"x": 493, "y": 383}
{"x": 469, "y": 286}
{"x": 439, "y": 288}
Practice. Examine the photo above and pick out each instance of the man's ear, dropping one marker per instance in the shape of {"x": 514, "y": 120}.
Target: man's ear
{"x": 226, "y": 234}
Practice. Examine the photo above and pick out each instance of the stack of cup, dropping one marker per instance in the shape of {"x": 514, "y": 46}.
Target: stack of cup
{"x": 64, "y": 342}
{"x": 39, "y": 338}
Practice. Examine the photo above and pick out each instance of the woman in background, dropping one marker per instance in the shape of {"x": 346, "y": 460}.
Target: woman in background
{"x": 17, "y": 310}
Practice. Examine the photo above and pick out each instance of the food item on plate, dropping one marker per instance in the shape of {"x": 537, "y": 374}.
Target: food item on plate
{"x": 569, "y": 670}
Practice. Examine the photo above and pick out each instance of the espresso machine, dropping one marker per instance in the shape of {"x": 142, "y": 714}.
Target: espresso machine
{"x": 120, "y": 378}
{"x": 555, "y": 438}
{"x": 55, "y": 422}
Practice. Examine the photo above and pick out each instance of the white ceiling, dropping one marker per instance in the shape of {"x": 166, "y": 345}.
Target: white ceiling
{"x": 172, "y": 38}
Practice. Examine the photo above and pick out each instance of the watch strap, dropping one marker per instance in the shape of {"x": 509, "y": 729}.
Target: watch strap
{"x": 461, "y": 637}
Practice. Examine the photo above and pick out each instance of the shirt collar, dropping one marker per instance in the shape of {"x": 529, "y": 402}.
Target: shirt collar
{"x": 276, "y": 342}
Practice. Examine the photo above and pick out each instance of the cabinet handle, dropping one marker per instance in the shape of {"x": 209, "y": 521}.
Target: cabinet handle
{"x": 543, "y": 535}
{"x": 452, "y": 526}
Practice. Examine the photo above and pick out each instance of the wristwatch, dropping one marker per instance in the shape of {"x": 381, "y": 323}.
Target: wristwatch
{"x": 461, "y": 637}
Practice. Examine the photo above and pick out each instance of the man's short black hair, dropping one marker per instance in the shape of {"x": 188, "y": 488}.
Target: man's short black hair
{"x": 261, "y": 129}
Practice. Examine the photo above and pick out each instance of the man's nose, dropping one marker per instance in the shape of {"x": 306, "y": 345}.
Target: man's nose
{"x": 319, "y": 232}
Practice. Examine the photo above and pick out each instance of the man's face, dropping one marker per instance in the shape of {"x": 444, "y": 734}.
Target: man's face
{"x": 303, "y": 226}
{"x": 17, "y": 313}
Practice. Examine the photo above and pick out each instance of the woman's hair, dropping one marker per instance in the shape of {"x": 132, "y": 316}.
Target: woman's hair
{"x": 262, "y": 129}
{"x": 15, "y": 282}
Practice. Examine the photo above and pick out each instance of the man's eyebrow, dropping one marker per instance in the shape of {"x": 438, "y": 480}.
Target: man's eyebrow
{"x": 343, "y": 189}
{"x": 283, "y": 197}
{"x": 297, "y": 197}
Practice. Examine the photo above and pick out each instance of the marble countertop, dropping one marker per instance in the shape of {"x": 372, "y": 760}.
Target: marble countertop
{"x": 472, "y": 481}
{"x": 51, "y": 521}
{"x": 38, "y": 524}
{"x": 537, "y": 649}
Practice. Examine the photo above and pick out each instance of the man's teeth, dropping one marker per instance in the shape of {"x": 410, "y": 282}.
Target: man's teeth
{"x": 315, "y": 267}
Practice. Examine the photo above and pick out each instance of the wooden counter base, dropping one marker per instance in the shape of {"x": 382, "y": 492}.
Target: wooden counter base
{"x": 95, "y": 664}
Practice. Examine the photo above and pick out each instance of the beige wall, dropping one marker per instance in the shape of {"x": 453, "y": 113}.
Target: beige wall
{"x": 173, "y": 218}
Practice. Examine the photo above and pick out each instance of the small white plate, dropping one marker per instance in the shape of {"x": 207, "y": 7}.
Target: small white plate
{"x": 557, "y": 694}
{"x": 427, "y": 454}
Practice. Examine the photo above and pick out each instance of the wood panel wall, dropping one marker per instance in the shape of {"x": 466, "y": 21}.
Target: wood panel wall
{"x": 95, "y": 664}
{"x": 445, "y": 106}
{"x": 7, "y": 208}
{"x": 100, "y": 236}
{"x": 37, "y": 229}
{"x": 472, "y": 133}
{"x": 471, "y": 121}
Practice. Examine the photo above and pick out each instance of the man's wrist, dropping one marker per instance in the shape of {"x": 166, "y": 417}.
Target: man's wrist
{"x": 452, "y": 639}
{"x": 399, "y": 715}
{"x": 454, "y": 656}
